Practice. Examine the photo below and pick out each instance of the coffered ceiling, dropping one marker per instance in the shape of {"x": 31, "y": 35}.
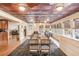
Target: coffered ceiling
{"x": 40, "y": 12}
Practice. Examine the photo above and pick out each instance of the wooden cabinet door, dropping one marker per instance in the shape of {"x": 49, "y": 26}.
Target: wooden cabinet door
{"x": 3, "y": 33}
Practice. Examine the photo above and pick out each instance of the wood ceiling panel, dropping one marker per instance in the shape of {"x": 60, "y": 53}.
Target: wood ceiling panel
{"x": 31, "y": 5}
{"x": 67, "y": 11}
{"x": 12, "y": 8}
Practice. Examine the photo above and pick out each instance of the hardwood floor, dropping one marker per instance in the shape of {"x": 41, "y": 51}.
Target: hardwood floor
{"x": 6, "y": 48}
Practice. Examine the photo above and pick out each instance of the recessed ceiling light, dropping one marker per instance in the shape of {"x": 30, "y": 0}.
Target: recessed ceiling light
{"x": 21, "y": 8}
{"x": 45, "y": 22}
{"x": 31, "y": 20}
{"x": 48, "y": 19}
{"x": 60, "y": 8}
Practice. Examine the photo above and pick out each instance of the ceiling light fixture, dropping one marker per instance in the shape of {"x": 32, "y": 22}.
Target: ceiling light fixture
{"x": 31, "y": 20}
{"x": 45, "y": 22}
{"x": 48, "y": 19}
{"x": 60, "y": 8}
{"x": 21, "y": 8}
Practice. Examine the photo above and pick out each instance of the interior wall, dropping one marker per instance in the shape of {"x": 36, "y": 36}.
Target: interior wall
{"x": 21, "y": 33}
{"x": 20, "y": 28}
{"x": 31, "y": 27}
{"x": 12, "y": 26}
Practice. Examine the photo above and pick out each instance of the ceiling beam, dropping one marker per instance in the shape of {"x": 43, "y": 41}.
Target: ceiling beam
{"x": 10, "y": 17}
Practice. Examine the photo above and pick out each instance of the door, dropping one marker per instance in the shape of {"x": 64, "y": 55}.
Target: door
{"x": 3, "y": 34}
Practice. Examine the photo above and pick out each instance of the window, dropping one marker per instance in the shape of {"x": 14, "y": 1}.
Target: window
{"x": 59, "y": 28}
{"x": 76, "y": 21}
{"x": 67, "y": 28}
{"x": 41, "y": 29}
